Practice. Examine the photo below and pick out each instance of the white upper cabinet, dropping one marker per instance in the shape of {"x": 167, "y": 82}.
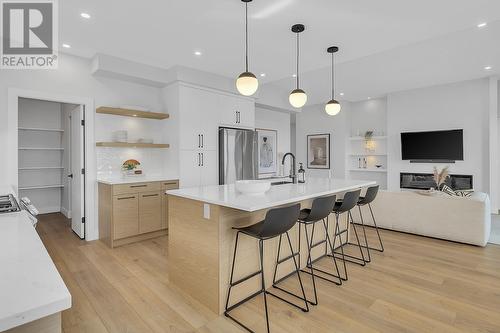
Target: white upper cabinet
{"x": 237, "y": 111}
{"x": 199, "y": 114}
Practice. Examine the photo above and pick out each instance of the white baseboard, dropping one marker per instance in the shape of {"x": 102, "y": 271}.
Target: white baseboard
{"x": 66, "y": 212}
{"x": 47, "y": 210}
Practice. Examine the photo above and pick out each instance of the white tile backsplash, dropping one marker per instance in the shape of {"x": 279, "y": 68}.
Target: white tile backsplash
{"x": 110, "y": 160}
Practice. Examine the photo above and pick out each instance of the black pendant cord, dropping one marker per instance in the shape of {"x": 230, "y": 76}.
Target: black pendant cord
{"x": 333, "y": 77}
{"x": 298, "y": 50}
{"x": 246, "y": 36}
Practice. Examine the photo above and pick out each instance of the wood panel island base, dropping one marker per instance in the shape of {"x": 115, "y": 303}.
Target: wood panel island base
{"x": 201, "y": 238}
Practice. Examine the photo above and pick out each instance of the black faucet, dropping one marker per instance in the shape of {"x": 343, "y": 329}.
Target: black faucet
{"x": 292, "y": 175}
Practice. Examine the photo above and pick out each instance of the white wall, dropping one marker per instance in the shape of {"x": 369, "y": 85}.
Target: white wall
{"x": 368, "y": 115}
{"x": 314, "y": 120}
{"x": 73, "y": 78}
{"x": 463, "y": 105}
{"x": 279, "y": 121}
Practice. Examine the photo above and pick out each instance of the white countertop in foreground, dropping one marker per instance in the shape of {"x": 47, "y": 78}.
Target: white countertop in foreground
{"x": 227, "y": 196}
{"x": 30, "y": 285}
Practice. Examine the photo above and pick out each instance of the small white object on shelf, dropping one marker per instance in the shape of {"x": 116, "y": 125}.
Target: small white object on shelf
{"x": 252, "y": 186}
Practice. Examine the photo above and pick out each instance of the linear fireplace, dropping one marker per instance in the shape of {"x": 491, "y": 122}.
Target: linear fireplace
{"x": 425, "y": 181}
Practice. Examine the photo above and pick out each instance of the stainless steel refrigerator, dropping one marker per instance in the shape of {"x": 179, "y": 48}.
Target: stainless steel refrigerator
{"x": 237, "y": 155}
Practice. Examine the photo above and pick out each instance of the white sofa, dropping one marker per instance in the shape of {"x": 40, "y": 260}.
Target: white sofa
{"x": 459, "y": 219}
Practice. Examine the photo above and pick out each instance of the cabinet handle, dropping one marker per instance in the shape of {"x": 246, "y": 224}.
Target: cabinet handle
{"x": 199, "y": 141}
{"x": 202, "y": 139}
{"x": 149, "y": 195}
{"x": 125, "y": 198}
{"x": 199, "y": 159}
{"x": 171, "y": 183}
{"x": 239, "y": 117}
{"x": 236, "y": 114}
{"x": 133, "y": 186}
{"x": 202, "y": 159}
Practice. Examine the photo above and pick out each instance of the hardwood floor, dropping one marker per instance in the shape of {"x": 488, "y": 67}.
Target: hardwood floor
{"x": 417, "y": 285}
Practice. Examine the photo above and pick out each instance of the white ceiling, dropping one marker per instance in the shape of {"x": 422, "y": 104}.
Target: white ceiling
{"x": 386, "y": 45}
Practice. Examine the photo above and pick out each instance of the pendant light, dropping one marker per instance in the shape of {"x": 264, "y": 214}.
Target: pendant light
{"x": 333, "y": 107}
{"x": 298, "y": 97}
{"x": 247, "y": 83}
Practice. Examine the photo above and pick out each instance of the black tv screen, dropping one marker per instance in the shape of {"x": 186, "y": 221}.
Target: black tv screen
{"x": 433, "y": 146}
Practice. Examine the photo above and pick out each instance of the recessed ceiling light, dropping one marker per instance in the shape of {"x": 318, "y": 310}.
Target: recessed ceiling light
{"x": 482, "y": 25}
{"x": 262, "y": 74}
{"x": 198, "y": 53}
{"x": 294, "y": 75}
{"x": 66, "y": 46}
{"x": 369, "y": 97}
{"x": 85, "y": 15}
{"x": 488, "y": 68}
{"x": 341, "y": 94}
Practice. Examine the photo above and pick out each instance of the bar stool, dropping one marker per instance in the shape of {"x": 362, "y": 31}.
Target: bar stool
{"x": 277, "y": 222}
{"x": 320, "y": 210}
{"x": 370, "y": 195}
{"x": 349, "y": 201}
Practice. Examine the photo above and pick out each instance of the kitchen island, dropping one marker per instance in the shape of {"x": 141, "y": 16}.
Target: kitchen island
{"x": 201, "y": 238}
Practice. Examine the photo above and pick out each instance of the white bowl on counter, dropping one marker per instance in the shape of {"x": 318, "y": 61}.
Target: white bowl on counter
{"x": 252, "y": 186}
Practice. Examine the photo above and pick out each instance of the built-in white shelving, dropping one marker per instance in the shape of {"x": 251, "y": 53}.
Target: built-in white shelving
{"x": 368, "y": 170}
{"x": 362, "y": 138}
{"x": 37, "y": 129}
{"x": 42, "y": 142}
{"x": 368, "y": 154}
{"x": 39, "y": 187}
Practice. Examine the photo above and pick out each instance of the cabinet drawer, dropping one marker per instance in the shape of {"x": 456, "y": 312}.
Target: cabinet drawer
{"x": 136, "y": 188}
{"x": 170, "y": 185}
{"x": 150, "y": 211}
{"x": 125, "y": 215}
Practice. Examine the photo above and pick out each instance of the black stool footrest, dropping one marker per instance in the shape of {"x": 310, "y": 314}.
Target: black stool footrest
{"x": 257, "y": 293}
{"x": 348, "y": 258}
{"x": 245, "y": 278}
{"x": 288, "y": 257}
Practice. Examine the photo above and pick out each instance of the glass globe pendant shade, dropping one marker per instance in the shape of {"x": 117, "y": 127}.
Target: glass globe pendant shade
{"x": 298, "y": 98}
{"x": 333, "y": 107}
{"x": 247, "y": 84}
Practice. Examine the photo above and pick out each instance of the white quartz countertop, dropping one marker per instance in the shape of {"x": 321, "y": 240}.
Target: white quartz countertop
{"x": 30, "y": 285}
{"x": 133, "y": 179}
{"x": 227, "y": 196}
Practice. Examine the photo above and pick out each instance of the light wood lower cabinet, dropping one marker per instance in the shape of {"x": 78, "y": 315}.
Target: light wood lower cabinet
{"x": 133, "y": 212}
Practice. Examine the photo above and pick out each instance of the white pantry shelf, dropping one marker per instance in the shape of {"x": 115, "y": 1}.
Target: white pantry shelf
{"x": 41, "y": 168}
{"x": 40, "y": 129}
{"x": 39, "y": 187}
{"x": 40, "y": 148}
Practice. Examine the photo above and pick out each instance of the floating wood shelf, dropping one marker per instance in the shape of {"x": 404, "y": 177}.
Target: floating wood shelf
{"x": 132, "y": 113}
{"x": 131, "y": 145}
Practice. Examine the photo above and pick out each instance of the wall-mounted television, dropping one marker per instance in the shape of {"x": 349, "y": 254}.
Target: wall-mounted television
{"x": 435, "y": 146}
